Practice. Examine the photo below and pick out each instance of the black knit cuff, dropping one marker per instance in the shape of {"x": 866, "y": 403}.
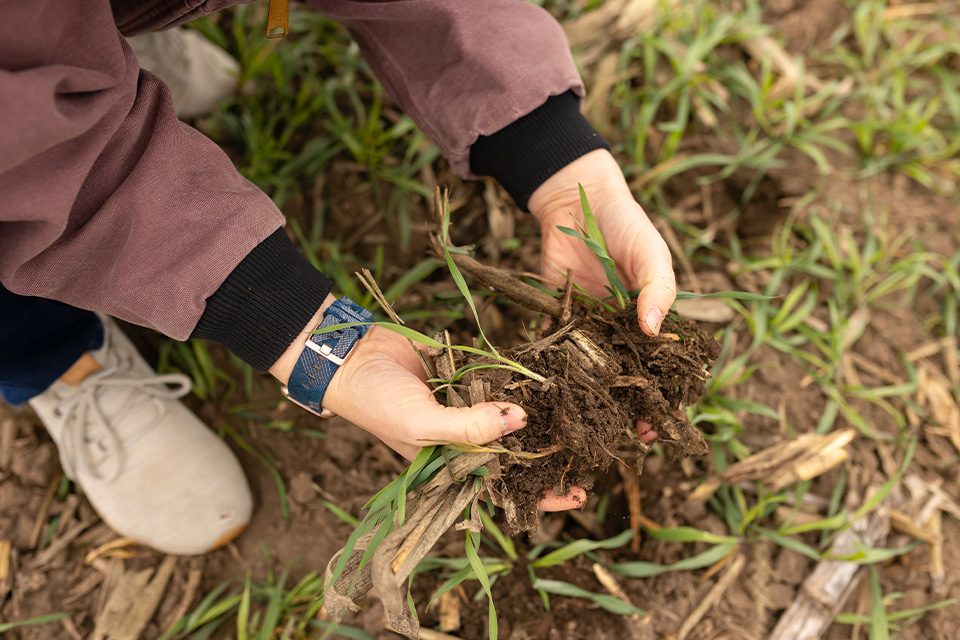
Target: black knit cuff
{"x": 264, "y": 303}
{"x": 522, "y": 155}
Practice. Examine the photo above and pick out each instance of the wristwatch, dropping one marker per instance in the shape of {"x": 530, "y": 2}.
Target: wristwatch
{"x": 324, "y": 353}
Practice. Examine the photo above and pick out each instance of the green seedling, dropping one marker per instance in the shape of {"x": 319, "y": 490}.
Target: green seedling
{"x": 263, "y": 611}
{"x": 880, "y": 622}
{"x": 487, "y": 570}
{"x": 589, "y": 232}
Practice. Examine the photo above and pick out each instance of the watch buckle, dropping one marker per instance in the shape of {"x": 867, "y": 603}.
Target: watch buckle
{"x": 324, "y": 351}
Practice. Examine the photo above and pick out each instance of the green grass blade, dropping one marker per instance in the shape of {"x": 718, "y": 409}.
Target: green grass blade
{"x": 732, "y": 295}
{"x": 874, "y": 501}
{"x": 689, "y": 534}
{"x": 243, "y": 613}
{"x": 579, "y": 547}
{"x": 879, "y": 627}
{"x": 505, "y": 542}
{"x": 342, "y": 630}
{"x": 865, "y": 555}
{"x": 648, "y": 569}
{"x": 909, "y": 613}
{"x": 611, "y": 604}
{"x": 32, "y": 622}
{"x": 341, "y": 513}
{"x": 788, "y": 543}
{"x": 416, "y": 273}
{"x": 826, "y": 524}
{"x": 465, "y": 573}
{"x": 472, "y": 547}
{"x": 590, "y": 221}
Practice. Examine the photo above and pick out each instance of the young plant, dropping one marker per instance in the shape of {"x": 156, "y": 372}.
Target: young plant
{"x": 487, "y": 570}
{"x": 589, "y": 232}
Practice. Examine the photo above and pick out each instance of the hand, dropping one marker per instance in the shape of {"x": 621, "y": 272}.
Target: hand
{"x": 642, "y": 257}
{"x": 382, "y": 388}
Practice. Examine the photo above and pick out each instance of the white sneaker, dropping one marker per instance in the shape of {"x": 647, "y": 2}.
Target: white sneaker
{"x": 200, "y": 74}
{"x": 151, "y": 469}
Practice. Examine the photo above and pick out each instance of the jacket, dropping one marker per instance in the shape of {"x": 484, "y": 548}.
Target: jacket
{"x": 110, "y": 203}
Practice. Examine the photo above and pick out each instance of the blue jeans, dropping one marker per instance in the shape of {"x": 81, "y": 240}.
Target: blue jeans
{"x": 39, "y": 340}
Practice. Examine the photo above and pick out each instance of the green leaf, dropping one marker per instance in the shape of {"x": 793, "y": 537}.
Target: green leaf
{"x": 341, "y": 513}
{"x": 909, "y": 613}
{"x": 32, "y": 622}
{"x": 590, "y": 221}
{"x": 579, "y": 547}
{"x": 417, "y": 273}
{"x": 611, "y": 604}
{"x": 271, "y": 618}
{"x": 788, "y": 543}
{"x": 505, "y": 542}
{"x": 591, "y": 236}
{"x": 472, "y": 546}
{"x": 733, "y": 295}
{"x": 867, "y": 555}
{"x": 826, "y": 524}
{"x": 879, "y": 629}
{"x": 572, "y": 232}
{"x": 736, "y": 404}
{"x": 465, "y": 573}
{"x": 689, "y": 534}
{"x": 343, "y": 630}
{"x": 648, "y": 569}
{"x": 243, "y": 613}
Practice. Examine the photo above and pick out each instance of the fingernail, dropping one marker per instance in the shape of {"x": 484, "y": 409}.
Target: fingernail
{"x": 511, "y": 419}
{"x": 654, "y": 318}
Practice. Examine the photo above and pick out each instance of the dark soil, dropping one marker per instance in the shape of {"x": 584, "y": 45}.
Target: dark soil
{"x": 602, "y": 376}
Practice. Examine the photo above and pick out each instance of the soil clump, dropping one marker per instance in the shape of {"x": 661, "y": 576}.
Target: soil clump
{"x": 602, "y": 376}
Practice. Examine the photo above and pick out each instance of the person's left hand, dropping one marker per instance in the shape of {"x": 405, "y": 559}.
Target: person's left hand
{"x": 642, "y": 257}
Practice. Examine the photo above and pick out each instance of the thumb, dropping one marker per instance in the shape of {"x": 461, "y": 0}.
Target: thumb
{"x": 478, "y": 424}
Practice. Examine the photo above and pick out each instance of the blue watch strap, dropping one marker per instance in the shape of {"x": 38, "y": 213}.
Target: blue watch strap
{"x": 325, "y": 352}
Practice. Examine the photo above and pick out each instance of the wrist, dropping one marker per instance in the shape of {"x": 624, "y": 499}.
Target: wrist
{"x": 524, "y": 154}
{"x": 283, "y": 367}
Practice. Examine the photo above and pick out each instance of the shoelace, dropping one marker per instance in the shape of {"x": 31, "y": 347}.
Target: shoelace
{"x": 83, "y": 423}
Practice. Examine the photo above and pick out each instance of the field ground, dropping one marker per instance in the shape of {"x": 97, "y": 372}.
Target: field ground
{"x": 806, "y": 150}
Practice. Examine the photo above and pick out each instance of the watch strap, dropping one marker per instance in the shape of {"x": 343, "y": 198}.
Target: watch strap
{"x": 324, "y": 353}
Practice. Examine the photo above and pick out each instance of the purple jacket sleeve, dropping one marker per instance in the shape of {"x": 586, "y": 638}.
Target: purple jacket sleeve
{"x": 110, "y": 203}
{"x": 459, "y": 68}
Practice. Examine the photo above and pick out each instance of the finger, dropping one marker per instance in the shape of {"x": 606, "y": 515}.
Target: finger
{"x": 575, "y": 498}
{"x": 646, "y": 432}
{"x": 478, "y": 424}
{"x": 647, "y": 258}
{"x": 657, "y": 294}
